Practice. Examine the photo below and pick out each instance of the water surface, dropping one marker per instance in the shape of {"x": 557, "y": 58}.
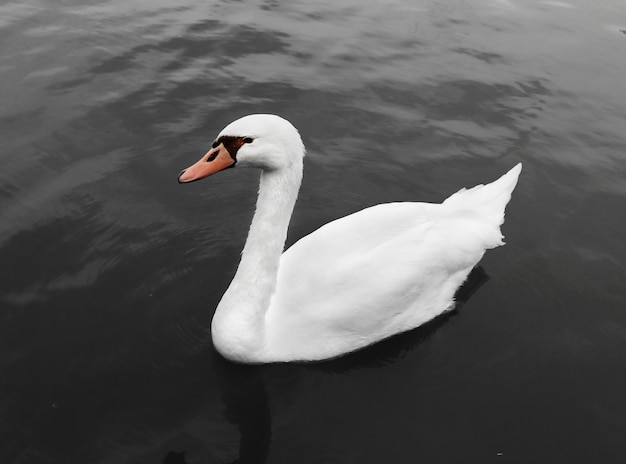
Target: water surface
{"x": 110, "y": 271}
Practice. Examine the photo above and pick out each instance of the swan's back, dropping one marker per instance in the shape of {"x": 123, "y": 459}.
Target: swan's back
{"x": 382, "y": 270}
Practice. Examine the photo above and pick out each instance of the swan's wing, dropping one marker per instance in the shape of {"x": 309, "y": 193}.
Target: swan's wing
{"x": 356, "y": 234}
{"x": 329, "y": 255}
{"x": 377, "y": 272}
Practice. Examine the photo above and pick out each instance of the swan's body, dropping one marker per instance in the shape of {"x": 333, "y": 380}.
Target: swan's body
{"x": 356, "y": 280}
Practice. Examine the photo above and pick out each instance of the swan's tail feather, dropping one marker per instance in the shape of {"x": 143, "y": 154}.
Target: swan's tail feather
{"x": 488, "y": 202}
{"x": 491, "y": 198}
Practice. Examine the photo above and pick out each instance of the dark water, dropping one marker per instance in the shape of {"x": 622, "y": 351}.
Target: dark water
{"x": 110, "y": 271}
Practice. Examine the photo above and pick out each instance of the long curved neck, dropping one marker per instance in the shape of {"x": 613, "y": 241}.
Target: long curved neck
{"x": 258, "y": 268}
{"x": 238, "y": 324}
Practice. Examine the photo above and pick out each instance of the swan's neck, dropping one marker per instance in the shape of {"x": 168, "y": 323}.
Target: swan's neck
{"x": 238, "y": 324}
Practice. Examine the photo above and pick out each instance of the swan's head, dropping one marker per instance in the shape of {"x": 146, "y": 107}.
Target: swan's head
{"x": 263, "y": 141}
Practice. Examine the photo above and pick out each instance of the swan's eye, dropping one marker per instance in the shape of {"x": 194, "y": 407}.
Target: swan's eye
{"x": 248, "y": 140}
{"x": 215, "y": 144}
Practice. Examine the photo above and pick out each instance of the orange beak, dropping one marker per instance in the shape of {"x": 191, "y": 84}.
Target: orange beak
{"x": 215, "y": 160}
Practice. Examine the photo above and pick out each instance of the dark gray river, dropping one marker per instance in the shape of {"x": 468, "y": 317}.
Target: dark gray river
{"x": 110, "y": 271}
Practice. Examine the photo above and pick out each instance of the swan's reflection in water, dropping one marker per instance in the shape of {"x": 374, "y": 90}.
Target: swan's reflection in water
{"x": 174, "y": 457}
{"x": 244, "y": 387}
{"x": 247, "y": 406}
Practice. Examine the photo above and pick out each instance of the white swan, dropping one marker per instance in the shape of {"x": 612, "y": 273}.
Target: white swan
{"x": 356, "y": 280}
